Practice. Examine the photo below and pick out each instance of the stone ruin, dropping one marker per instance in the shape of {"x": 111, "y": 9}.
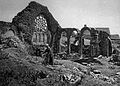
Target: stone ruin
{"x": 88, "y": 42}
{"x": 23, "y": 39}
{"x": 35, "y": 26}
{"x": 99, "y": 42}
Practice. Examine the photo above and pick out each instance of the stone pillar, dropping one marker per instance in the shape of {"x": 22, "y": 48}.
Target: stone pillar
{"x": 107, "y": 45}
{"x": 91, "y": 50}
{"x": 68, "y": 44}
{"x": 97, "y": 45}
{"x": 51, "y": 42}
{"x": 80, "y": 46}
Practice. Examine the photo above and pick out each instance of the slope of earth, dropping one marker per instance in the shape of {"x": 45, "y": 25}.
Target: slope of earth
{"x": 18, "y": 68}
{"x": 102, "y": 71}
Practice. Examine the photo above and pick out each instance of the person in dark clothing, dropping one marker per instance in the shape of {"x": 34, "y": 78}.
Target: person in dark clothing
{"x": 48, "y": 56}
{"x": 38, "y": 52}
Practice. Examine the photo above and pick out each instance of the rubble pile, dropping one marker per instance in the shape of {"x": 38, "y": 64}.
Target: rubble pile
{"x": 17, "y": 67}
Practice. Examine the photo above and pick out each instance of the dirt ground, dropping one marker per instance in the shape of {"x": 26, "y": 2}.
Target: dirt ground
{"x": 17, "y": 68}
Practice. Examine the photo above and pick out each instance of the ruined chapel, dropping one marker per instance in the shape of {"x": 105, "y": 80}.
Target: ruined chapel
{"x": 36, "y": 26}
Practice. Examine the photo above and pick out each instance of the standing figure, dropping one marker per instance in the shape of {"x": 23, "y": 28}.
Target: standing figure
{"x": 48, "y": 56}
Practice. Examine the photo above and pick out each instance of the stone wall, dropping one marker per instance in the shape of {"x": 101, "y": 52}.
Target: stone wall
{"x": 24, "y": 20}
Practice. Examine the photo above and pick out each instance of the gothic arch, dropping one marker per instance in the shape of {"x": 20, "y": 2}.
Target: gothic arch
{"x": 105, "y": 44}
{"x": 62, "y": 40}
{"x": 41, "y": 34}
{"x": 74, "y": 41}
{"x": 81, "y": 39}
{"x": 84, "y": 29}
{"x": 24, "y": 21}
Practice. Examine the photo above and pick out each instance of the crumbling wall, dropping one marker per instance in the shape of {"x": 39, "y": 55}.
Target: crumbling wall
{"x": 105, "y": 44}
{"x": 24, "y": 20}
{"x": 69, "y": 32}
{"x": 100, "y": 43}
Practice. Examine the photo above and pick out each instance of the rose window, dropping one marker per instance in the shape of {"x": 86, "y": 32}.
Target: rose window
{"x": 40, "y": 36}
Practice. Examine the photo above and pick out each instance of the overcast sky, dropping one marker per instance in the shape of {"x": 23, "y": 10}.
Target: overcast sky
{"x": 72, "y": 13}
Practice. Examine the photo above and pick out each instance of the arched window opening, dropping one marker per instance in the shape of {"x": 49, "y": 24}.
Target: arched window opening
{"x": 63, "y": 42}
{"x": 86, "y": 37}
{"x": 74, "y": 42}
{"x": 72, "y": 37}
{"x": 39, "y": 35}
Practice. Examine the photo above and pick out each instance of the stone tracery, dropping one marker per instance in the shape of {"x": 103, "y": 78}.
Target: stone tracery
{"x": 40, "y": 36}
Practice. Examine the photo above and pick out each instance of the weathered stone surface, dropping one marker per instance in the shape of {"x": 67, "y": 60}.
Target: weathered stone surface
{"x": 17, "y": 67}
{"x": 100, "y": 43}
{"x": 24, "y": 21}
{"x": 105, "y": 44}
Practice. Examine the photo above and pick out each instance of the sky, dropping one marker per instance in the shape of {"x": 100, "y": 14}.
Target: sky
{"x": 71, "y": 13}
